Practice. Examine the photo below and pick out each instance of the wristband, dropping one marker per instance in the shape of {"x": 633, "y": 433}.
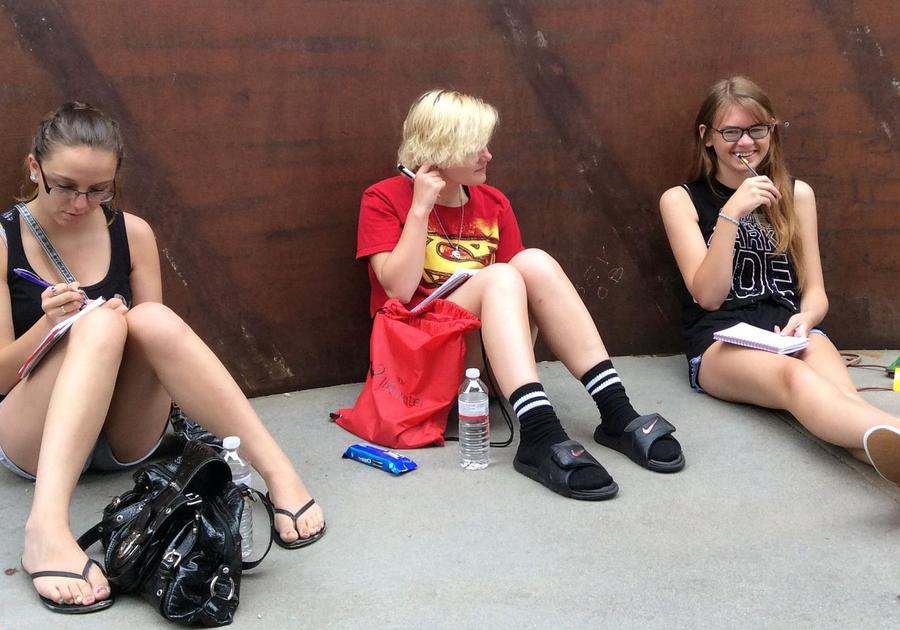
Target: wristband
{"x": 722, "y": 215}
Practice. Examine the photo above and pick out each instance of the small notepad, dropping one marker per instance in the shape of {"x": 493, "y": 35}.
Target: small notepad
{"x": 56, "y": 333}
{"x": 754, "y": 337}
{"x": 450, "y": 285}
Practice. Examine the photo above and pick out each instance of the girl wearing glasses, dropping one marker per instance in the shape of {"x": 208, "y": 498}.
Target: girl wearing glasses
{"x": 416, "y": 233}
{"x": 101, "y": 397}
{"x": 743, "y": 233}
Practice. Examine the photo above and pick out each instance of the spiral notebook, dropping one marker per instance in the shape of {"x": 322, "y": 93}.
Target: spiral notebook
{"x": 761, "y": 339}
{"x": 56, "y": 333}
{"x": 450, "y": 285}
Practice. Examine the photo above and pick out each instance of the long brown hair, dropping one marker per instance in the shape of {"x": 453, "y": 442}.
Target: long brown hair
{"x": 73, "y": 124}
{"x": 741, "y": 92}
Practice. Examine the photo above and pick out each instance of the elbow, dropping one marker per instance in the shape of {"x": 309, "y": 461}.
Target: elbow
{"x": 710, "y": 305}
{"x": 403, "y": 296}
{"x": 709, "y": 302}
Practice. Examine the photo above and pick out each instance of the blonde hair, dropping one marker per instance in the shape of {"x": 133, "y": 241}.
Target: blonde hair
{"x": 444, "y": 128}
{"x": 741, "y": 92}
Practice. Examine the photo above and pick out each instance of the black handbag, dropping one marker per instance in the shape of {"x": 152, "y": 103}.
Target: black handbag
{"x": 175, "y": 538}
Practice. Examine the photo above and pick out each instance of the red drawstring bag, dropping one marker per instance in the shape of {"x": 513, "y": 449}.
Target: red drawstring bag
{"x": 415, "y": 368}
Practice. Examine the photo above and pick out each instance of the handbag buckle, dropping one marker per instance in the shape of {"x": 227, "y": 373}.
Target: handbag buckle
{"x": 193, "y": 498}
{"x": 212, "y": 587}
{"x": 172, "y": 558}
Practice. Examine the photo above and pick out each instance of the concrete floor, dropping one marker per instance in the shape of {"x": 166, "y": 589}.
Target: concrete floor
{"x": 767, "y": 527}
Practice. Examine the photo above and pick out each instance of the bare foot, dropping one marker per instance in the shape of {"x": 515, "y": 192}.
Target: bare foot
{"x": 290, "y": 494}
{"x": 54, "y": 549}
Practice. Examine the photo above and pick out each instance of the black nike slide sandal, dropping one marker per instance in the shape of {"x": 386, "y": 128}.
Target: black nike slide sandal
{"x": 636, "y": 440}
{"x": 556, "y": 470}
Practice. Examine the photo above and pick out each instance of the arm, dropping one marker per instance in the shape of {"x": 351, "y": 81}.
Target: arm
{"x": 13, "y": 352}
{"x": 400, "y": 269}
{"x": 146, "y": 279}
{"x": 707, "y": 271}
{"x": 813, "y": 300}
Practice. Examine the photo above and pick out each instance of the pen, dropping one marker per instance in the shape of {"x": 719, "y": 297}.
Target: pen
{"x": 747, "y": 164}
{"x": 24, "y": 273}
{"x": 406, "y": 171}
{"x": 31, "y": 277}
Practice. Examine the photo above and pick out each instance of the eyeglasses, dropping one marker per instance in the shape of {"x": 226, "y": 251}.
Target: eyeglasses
{"x": 733, "y": 134}
{"x": 71, "y": 194}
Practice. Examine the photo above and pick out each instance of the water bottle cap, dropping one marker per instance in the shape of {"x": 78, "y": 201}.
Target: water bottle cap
{"x": 473, "y": 373}
{"x": 231, "y": 443}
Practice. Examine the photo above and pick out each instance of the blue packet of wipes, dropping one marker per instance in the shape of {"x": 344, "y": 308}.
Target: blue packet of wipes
{"x": 379, "y": 458}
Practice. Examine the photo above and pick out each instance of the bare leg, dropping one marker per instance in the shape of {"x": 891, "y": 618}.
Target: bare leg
{"x": 496, "y": 294}
{"x": 560, "y": 314}
{"x": 826, "y": 408}
{"x": 191, "y": 374}
{"x": 48, "y": 426}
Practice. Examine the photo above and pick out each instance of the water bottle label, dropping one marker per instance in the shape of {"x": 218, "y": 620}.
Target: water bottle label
{"x": 472, "y": 410}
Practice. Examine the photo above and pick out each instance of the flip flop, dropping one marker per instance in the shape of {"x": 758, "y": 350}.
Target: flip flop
{"x": 71, "y": 609}
{"x": 556, "y": 470}
{"x": 300, "y": 542}
{"x": 636, "y": 440}
{"x": 882, "y": 444}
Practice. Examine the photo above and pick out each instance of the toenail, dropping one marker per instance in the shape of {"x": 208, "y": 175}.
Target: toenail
{"x": 102, "y": 590}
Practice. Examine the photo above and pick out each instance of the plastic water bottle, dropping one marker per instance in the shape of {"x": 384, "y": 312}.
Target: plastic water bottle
{"x": 240, "y": 474}
{"x": 474, "y": 423}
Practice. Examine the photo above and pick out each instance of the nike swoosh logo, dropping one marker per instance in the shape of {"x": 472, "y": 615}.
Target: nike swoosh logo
{"x": 647, "y": 429}
{"x": 576, "y": 453}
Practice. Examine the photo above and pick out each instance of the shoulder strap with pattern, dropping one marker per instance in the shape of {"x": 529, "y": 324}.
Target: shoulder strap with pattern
{"x": 41, "y": 236}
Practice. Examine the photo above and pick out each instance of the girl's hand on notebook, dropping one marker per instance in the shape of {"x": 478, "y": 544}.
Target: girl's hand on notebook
{"x": 61, "y": 301}
{"x": 797, "y": 326}
{"x": 116, "y": 303}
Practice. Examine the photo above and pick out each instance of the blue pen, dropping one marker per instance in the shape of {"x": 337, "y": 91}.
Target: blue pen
{"x": 24, "y": 273}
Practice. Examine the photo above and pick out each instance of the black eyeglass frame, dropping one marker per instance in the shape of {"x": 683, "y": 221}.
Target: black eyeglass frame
{"x": 109, "y": 194}
{"x": 746, "y": 130}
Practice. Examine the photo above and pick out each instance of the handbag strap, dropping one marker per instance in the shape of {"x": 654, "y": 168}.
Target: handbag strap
{"x": 255, "y": 495}
{"x": 41, "y": 236}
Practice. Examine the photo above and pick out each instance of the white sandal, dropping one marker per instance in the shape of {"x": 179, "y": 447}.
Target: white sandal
{"x": 882, "y": 443}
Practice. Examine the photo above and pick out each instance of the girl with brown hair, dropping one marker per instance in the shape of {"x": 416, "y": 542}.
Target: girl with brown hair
{"x": 743, "y": 233}
{"x": 101, "y": 397}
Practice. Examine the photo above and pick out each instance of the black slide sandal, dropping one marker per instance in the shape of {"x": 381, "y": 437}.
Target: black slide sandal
{"x": 636, "y": 440}
{"x": 556, "y": 469}
{"x": 71, "y": 609}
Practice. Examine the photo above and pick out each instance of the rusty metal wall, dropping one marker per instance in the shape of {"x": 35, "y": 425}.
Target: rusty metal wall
{"x": 253, "y": 127}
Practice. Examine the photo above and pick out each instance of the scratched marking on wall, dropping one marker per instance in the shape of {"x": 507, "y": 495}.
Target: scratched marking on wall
{"x": 599, "y": 277}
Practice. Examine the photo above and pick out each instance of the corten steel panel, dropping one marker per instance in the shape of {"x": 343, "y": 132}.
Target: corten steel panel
{"x": 253, "y": 127}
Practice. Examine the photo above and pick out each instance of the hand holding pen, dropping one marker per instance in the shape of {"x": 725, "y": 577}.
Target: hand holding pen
{"x": 427, "y": 186}
{"x": 58, "y": 301}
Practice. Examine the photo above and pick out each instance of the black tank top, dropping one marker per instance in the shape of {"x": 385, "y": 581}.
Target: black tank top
{"x": 25, "y": 296}
{"x": 763, "y": 285}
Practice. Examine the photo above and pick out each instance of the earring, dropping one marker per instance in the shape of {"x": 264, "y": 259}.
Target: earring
{"x": 33, "y": 178}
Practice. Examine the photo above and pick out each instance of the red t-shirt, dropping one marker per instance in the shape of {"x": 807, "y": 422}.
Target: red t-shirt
{"x": 490, "y": 233}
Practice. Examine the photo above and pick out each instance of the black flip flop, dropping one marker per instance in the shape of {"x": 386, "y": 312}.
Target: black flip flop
{"x": 71, "y": 609}
{"x": 636, "y": 440}
{"x": 300, "y": 542}
{"x": 556, "y": 469}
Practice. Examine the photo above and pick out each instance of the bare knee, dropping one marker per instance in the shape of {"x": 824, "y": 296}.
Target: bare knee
{"x": 799, "y": 379}
{"x": 500, "y": 276}
{"x": 102, "y": 330}
{"x": 535, "y": 264}
{"x": 152, "y": 323}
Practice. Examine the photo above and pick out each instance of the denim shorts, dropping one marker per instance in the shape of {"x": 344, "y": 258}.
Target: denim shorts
{"x": 694, "y": 366}
{"x": 101, "y": 458}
